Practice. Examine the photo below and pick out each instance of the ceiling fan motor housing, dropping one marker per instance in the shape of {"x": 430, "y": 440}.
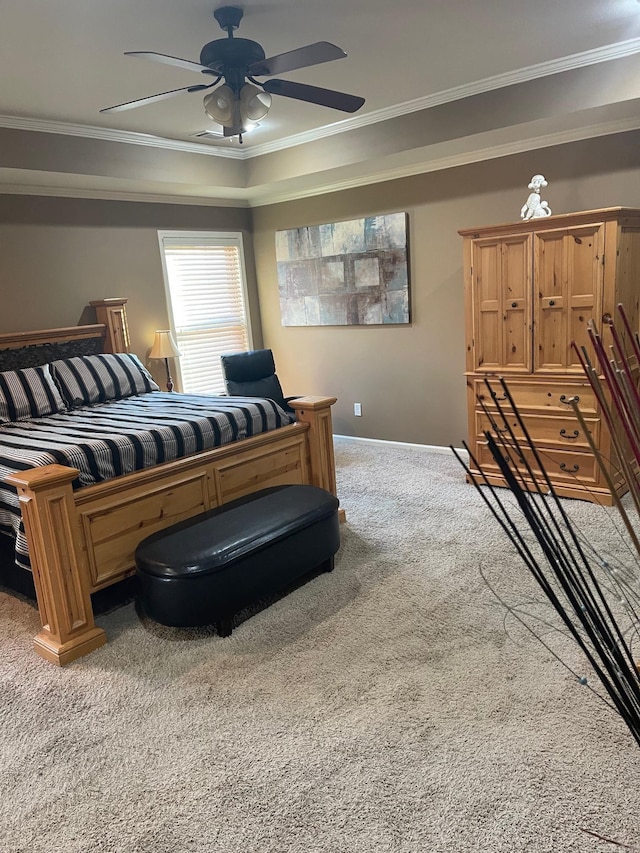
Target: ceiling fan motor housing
{"x": 231, "y": 57}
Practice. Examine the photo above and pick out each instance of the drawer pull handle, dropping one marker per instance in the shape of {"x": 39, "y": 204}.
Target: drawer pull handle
{"x": 552, "y": 302}
{"x": 571, "y": 435}
{"x": 494, "y": 394}
{"x": 574, "y": 468}
{"x": 514, "y": 304}
{"x": 569, "y": 400}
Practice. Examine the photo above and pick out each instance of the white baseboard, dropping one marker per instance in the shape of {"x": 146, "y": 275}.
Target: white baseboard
{"x": 431, "y": 448}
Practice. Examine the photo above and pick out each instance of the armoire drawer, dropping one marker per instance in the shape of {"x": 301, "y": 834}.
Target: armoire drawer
{"x": 544, "y": 430}
{"x": 539, "y": 396}
{"x": 560, "y": 465}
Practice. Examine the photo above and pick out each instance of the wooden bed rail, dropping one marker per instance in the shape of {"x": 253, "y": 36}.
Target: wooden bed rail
{"x": 81, "y": 541}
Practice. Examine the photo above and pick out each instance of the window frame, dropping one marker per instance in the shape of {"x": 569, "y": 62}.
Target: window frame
{"x": 218, "y": 238}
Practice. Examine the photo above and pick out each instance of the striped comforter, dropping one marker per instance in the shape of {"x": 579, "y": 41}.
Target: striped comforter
{"x": 121, "y": 436}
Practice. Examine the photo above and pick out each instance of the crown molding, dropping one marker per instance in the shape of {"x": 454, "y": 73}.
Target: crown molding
{"x": 108, "y": 135}
{"x": 422, "y": 166}
{"x": 121, "y": 195}
{"x": 477, "y": 87}
{"x": 491, "y": 152}
{"x": 520, "y": 75}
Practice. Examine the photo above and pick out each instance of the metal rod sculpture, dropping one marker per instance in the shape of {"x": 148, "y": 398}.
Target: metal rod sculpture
{"x": 597, "y": 599}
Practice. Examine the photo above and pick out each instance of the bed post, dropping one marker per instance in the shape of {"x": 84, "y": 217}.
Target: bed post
{"x": 113, "y": 314}
{"x": 316, "y": 411}
{"x": 50, "y": 519}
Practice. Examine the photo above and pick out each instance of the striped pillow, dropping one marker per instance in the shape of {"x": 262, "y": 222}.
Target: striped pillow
{"x": 91, "y": 379}
{"x": 28, "y": 393}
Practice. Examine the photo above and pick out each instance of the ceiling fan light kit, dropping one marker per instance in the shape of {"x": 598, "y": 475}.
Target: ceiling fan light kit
{"x": 242, "y": 100}
{"x": 237, "y": 114}
{"x": 218, "y": 105}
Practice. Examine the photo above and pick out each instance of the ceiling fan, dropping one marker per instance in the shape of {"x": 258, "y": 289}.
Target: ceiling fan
{"x": 237, "y": 104}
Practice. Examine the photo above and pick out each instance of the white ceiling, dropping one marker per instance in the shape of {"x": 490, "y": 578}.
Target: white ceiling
{"x": 61, "y": 62}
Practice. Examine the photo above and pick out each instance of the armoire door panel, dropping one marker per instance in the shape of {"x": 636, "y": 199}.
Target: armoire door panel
{"x": 516, "y": 286}
{"x": 486, "y": 264}
{"x": 486, "y": 268}
{"x": 579, "y": 333}
{"x": 550, "y": 273}
{"x": 516, "y": 267}
{"x": 550, "y": 336}
{"x": 517, "y": 339}
{"x": 501, "y": 281}
{"x": 585, "y": 286}
{"x": 627, "y": 279}
{"x": 488, "y": 339}
{"x": 568, "y": 276}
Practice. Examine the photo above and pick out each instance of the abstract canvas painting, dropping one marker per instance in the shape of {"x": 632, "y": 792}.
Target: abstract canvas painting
{"x": 344, "y": 273}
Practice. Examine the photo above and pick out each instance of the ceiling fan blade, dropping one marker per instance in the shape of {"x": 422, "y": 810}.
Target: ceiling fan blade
{"x": 311, "y": 54}
{"x": 171, "y": 60}
{"x": 314, "y": 95}
{"x": 129, "y": 105}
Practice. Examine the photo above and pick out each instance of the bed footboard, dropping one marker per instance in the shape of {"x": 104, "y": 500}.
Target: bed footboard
{"x": 62, "y": 589}
{"x": 82, "y": 541}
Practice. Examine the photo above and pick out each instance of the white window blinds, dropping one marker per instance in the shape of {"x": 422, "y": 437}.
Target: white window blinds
{"x": 206, "y": 289}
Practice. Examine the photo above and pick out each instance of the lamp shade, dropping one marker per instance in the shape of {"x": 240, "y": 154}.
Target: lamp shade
{"x": 164, "y": 345}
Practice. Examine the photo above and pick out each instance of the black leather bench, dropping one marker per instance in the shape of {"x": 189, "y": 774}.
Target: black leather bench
{"x": 204, "y": 570}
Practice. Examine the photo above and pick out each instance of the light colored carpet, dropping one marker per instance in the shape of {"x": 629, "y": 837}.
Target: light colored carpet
{"x": 388, "y": 706}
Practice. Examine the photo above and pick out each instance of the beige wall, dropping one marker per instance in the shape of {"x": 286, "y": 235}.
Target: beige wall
{"x": 409, "y": 379}
{"x": 59, "y": 254}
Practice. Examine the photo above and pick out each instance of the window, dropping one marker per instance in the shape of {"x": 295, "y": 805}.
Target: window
{"x": 207, "y": 301}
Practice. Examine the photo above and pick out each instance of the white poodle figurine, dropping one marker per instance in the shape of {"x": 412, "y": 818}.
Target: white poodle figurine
{"x": 533, "y": 208}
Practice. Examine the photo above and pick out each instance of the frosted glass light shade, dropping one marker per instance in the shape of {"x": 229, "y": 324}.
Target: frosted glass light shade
{"x": 254, "y": 103}
{"x": 218, "y": 105}
{"x": 164, "y": 345}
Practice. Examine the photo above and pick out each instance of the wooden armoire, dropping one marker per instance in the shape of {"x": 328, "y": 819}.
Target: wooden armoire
{"x": 530, "y": 289}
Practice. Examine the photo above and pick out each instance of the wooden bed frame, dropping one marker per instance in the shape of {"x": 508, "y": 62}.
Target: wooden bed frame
{"x": 82, "y": 541}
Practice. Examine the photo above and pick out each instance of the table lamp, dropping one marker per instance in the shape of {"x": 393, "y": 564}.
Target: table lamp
{"x": 165, "y": 347}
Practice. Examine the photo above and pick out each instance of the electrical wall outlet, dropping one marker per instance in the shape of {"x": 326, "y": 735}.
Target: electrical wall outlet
{"x": 357, "y": 410}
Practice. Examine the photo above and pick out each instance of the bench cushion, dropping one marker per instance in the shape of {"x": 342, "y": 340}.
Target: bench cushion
{"x": 227, "y": 534}
{"x": 203, "y": 570}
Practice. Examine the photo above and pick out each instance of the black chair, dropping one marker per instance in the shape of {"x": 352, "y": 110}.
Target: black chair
{"x": 253, "y": 374}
